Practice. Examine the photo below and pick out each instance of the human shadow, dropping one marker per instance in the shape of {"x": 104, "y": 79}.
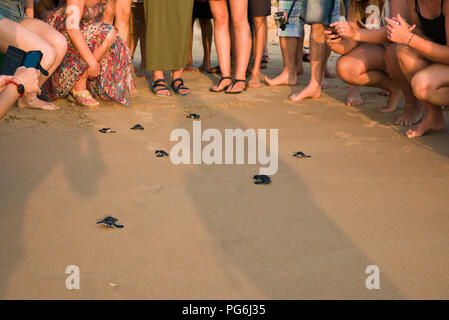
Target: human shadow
{"x": 29, "y": 155}
{"x": 276, "y": 236}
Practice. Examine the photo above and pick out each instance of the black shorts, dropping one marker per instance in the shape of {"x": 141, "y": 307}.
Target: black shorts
{"x": 201, "y": 10}
{"x": 259, "y": 8}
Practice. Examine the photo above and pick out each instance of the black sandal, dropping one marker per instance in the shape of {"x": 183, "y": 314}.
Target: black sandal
{"x": 162, "y": 86}
{"x": 225, "y": 88}
{"x": 180, "y": 86}
{"x": 233, "y": 84}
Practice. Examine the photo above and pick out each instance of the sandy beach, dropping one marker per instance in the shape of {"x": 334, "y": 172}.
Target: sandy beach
{"x": 367, "y": 196}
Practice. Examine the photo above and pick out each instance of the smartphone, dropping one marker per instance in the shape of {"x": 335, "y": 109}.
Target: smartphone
{"x": 332, "y": 29}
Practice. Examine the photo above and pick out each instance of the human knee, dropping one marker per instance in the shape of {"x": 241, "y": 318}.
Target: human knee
{"x": 221, "y": 19}
{"x": 349, "y": 70}
{"x": 49, "y": 56}
{"x": 259, "y": 22}
{"x": 423, "y": 87}
{"x": 60, "y": 46}
{"x": 239, "y": 23}
{"x": 403, "y": 54}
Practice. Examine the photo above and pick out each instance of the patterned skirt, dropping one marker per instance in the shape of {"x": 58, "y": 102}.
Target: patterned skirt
{"x": 114, "y": 83}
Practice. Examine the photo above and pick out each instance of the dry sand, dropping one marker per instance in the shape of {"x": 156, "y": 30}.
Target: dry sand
{"x": 367, "y": 196}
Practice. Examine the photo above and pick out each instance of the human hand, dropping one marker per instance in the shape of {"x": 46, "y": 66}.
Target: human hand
{"x": 399, "y": 31}
{"x": 344, "y": 29}
{"x": 94, "y": 69}
{"x": 332, "y": 38}
{"x": 29, "y": 77}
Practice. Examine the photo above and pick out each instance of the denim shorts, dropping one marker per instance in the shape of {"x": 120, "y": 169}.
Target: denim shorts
{"x": 321, "y": 12}
{"x": 13, "y": 10}
{"x": 324, "y": 11}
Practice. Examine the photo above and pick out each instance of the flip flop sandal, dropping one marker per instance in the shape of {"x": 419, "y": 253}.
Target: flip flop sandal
{"x": 234, "y": 82}
{"x": 77, "y": 96}
{"x": 219, "y": 82}
{"x": 162, "y": 86}
{"x": 180, "y": 86}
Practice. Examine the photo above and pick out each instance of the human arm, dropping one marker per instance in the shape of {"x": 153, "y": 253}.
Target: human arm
{"x": 28, "y": 77}
{"x": 402, "y": 35}
{"x": 73, "y": 17}
{"x": 29, "y": 8}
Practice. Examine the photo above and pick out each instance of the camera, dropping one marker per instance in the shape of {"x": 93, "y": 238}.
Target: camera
{"x": 281, "y": 19}
{"x": 16, "y": 58}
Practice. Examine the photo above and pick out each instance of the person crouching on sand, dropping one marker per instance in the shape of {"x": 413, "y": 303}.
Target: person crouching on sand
{"x": 423, "y": 54}
{"x": 26, "y": 33}
{"x": 98, "y": 61}
{"x": 360, "y": 42}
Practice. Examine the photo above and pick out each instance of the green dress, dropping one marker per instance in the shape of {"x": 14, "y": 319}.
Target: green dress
{"x": 169, "y": 26}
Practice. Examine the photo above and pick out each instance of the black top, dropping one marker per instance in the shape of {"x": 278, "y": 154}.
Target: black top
{"x": 435, "y": 29}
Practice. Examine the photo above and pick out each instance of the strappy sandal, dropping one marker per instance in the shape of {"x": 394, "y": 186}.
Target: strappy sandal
{"x": 162, "y": 87}
{"x": 218, "y": 85}
{"x": 78, "y": 96}
{"x": 180, "y": 86}
{"x": 234, "y": 82}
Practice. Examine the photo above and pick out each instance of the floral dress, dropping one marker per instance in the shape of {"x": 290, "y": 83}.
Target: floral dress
{"x": 114, "y": 82}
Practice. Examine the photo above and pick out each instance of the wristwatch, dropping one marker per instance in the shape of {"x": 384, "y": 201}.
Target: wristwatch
{"x": 20, "y": 87}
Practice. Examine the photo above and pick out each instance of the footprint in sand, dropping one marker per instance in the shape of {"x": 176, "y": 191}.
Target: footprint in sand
{"x": 144, "y": 117}
{"x": 368, "y": 123}
{"x": 441, "y": 168}
{"x": 234, "y": 104}
{"x": 142, "y": 194}
{"x": 408, "y": 148}
{"x": 352, "y": 140}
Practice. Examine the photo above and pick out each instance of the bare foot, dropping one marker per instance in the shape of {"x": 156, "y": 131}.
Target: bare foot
{"x": 354, "y": 99}
{"x": 432, "y": 122}
{"x": 324, "y": 84}
{"x": 284, "y": 79}
{"x": 412, "y": 114}
{"x": 254, "y": 82}
{"x": 33, "y": 102}
{"x": 310, "y": 91}
{"x": 393, "y": 99}
{"x": 204, "y": 68}
{"x": 189, "y": 68}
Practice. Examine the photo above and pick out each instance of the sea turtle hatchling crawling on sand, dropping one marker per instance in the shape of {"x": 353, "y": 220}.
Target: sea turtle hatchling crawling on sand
{"x": 110, "y": 222}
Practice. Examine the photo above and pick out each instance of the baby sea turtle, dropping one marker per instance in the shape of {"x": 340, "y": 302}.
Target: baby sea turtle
{"x": 161, "y": 153}
{"x": 110, "y": 222}
{"x": 137, "y": 127}
{"x": 106, "y": 130}
{"x": 262, "y": 179}
{"x": 193, "y": 116}
{"x": 301, "y": 155}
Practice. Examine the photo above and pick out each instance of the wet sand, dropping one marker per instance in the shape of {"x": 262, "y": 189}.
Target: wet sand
{"x": 368, "y": 196}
